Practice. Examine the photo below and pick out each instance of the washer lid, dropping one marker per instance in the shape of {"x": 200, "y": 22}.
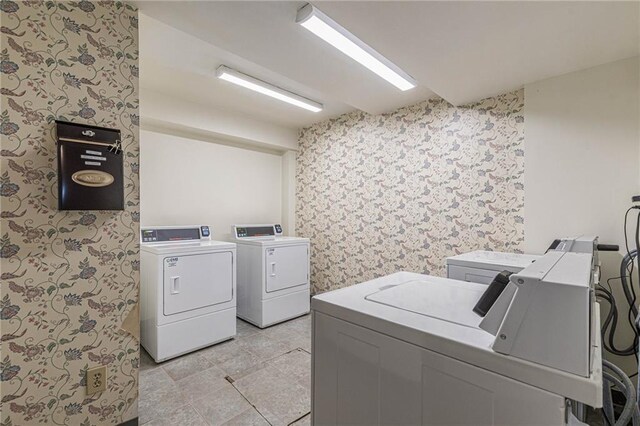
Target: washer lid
{"x": 493, "y": 260}
{"x": 186, "y": 247}
{"x": 446, "y": 301}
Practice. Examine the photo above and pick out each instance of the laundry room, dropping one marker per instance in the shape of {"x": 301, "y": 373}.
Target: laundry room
{"x": 324, "y": 213}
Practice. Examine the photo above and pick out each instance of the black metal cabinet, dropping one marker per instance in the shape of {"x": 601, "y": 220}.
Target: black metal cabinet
{"x": 90, "y": 167}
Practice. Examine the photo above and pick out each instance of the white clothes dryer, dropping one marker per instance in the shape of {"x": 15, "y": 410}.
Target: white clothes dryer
{"x": 273, "y": 274}
{"x": 187, "y": 291}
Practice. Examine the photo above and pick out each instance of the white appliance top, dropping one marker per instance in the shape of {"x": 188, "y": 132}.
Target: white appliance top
{"x": 263, "y": 235}
{"x": 273, "y": 242}
{"x": 446, "y": 301}
{"x": 436, "y": 314}
{"x": 493, "y": 260}
{"x": 180, "y": 239}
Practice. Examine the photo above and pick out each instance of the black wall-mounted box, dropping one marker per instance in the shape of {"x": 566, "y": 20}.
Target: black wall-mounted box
{"x": 90, "y": 167}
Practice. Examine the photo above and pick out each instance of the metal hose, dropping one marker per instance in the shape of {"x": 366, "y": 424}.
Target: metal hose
{"x": 620, "y": 380}
{"x": 626, "y": 260}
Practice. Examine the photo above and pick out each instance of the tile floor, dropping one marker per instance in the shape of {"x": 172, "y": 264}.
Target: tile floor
{"x": 262, "y": 377}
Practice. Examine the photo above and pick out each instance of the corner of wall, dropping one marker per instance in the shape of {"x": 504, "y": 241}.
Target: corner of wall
{"x": 289, "y": 192}
{"x": 69, "y": 278}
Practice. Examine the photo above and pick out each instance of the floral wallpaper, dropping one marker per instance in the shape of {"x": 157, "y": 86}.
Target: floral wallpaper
{"x": 69, "y": 278}
{"x": 402, "y": 191}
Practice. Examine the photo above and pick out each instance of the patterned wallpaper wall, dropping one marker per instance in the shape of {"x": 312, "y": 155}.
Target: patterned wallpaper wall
{"x": 69, "y": 279}
{"x": 402, "y": 191}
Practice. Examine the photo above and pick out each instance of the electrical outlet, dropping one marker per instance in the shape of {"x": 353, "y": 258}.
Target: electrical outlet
{"x": 96, "y": 379}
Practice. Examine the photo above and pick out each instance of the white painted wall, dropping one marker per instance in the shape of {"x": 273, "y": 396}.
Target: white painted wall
{"x": 582, "y": 151}
{"x": 582, "y": 163}
{"x": 186, "y": 181}
{"x": 289, "y": 193}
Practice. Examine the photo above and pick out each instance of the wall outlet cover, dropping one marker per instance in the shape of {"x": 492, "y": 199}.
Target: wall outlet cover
{"x": 96, "y": 379}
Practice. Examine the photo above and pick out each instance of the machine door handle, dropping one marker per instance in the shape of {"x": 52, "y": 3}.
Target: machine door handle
{"x": 273, "y": 269}
{"x": 175, "y": 285}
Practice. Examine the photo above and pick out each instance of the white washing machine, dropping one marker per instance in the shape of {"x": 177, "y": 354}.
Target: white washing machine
{"x": 482, "y": 266}
{"x": 273, "y": 274}
{"x": 409, "y": 349}
{"x": 187, "y": 291}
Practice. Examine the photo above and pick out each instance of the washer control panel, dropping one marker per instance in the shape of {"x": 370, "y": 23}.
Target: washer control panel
{"x": 164, "y": 234}
{"x": 257, "y": 231}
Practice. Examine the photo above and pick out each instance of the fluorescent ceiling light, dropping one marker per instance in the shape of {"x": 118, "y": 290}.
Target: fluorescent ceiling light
{"x": 260, "y": 86}
{"x": 330, "y": 31}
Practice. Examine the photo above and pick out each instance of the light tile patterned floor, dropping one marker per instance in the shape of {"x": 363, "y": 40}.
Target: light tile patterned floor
{"x": 262, "y": 377}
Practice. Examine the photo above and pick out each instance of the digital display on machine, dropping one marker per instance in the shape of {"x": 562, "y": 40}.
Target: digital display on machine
{"x": 255, "y": 231}
{"x": 149, "y": 235}
{"x": 158, "y": 235}
{"x": 178, "y": 234}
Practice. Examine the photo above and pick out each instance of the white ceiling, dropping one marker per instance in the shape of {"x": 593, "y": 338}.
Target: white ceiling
{"x": 183, "y": 66}
{"x": 462, "y": 51}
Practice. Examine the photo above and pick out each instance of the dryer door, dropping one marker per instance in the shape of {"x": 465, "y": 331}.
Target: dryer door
{"x": 196, "y": 281}
{"x": 287, "y": 266}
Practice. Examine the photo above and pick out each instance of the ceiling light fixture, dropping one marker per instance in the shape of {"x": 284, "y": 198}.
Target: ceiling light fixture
{"x": 330, "y": 31}
{"x": 236, "y": 77}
